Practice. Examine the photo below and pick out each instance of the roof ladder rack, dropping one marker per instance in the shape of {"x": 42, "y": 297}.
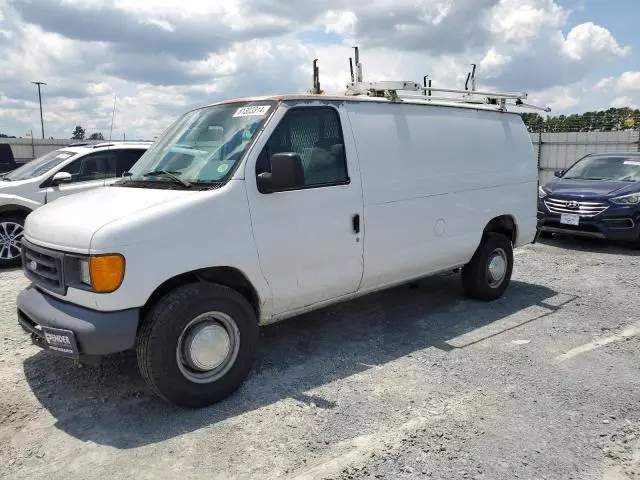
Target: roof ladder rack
{"x": 395, "y": 91}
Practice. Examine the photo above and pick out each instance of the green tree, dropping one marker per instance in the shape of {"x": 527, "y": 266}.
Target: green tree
{"x": 78, "y": 133}
{"x": 599, "y": 121}
{"x": 96, "y": 136}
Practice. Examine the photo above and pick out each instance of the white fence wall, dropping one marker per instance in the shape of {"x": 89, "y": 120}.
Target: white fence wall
{"x": 560, "y": 150}
{"x": 25, "y": 149}
{"x": 552, "y": 150}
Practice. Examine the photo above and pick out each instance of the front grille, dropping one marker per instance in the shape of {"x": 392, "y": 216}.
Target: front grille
{"x": 43, "y": 267}
{"x": 579, "y": 207}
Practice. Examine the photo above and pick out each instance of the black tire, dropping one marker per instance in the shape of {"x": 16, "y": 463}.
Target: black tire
{"x": 16, "y": 261}
{"x": 475, "y": 274}
{"x": 160, "y": 335}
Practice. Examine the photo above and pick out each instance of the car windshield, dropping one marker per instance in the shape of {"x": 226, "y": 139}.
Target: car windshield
{"x": 616, "y": 168}
{"x": 39, "y": 166}
{"x": 202, "y": 146}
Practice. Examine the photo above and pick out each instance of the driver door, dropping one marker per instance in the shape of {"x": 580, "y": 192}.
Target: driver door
{"x": 87, "y": 172}
{"x": 309, "y": 239}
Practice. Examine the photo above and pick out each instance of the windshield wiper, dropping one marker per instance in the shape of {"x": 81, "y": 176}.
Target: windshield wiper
{"x": 170, "y": 175}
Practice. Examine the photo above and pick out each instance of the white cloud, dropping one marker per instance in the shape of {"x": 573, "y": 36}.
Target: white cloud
{"x": 519, "y": 20}
{"x": 605, "y": 83}
{"x": 624, "y": 101}
{"x": 588, "y": 38}
{"x": 341, "y": 22}
{"x": 629, "y": 82}
{"x": 163, "y": 57}
{"x": 617, "y": 92}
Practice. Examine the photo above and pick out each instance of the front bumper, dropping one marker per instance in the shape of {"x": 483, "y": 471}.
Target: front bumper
{"x": 97, "y": 333}
{"x": 618, "y": 223}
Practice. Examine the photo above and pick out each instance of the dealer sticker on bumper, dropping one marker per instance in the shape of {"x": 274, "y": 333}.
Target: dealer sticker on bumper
{"x": 62, "y": 342}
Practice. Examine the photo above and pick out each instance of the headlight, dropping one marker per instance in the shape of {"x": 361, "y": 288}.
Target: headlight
{"x": 632, "y": 199}
{"x": 96, "y": 273}
{"x": 541, "y": 192}
{"x": 84, "y": 274}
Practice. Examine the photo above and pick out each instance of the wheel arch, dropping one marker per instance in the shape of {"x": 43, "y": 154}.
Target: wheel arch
{"x": 13, "y": 209}
{"x": 223, "y": 275}
{"x": 504, "y": 224}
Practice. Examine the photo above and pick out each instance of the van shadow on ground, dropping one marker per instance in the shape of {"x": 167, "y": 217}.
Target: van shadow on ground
{"x": 110, "y": 405}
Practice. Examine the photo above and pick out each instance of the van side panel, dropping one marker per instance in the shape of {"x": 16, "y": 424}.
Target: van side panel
{"x": 432, "y": 178}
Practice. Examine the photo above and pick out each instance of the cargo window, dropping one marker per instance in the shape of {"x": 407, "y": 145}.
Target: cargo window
{"x": 315, "y": 134}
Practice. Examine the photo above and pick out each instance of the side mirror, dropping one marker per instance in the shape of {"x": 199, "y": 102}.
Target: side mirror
{"x": 286, "y": 173}
{"x": 61, "y": 177}
{"x": 558, "y": 173}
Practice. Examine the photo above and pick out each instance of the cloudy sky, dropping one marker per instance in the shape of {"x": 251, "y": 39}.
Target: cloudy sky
{"x": 162, "y": 57}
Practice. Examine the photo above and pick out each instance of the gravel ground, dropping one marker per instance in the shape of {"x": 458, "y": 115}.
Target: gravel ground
{"x": 415, "y": 382}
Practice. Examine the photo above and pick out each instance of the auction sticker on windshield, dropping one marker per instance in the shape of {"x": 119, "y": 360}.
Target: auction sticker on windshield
{"x": 252, "y": 111}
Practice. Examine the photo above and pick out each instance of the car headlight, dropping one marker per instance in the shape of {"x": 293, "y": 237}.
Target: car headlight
{"x": 631, "y": 199}
{"x": 541, "y": 192}
{"x": 98, "y": 273}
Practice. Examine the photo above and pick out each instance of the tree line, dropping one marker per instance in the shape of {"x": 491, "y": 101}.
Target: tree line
{"x": 612, "y": 119}
{"x": 79, "y": 134}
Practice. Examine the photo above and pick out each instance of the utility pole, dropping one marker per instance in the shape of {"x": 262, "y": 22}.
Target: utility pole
{"x": 40, "y": 100}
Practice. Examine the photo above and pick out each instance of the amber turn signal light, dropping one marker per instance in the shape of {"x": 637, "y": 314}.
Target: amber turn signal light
{"x": 107, "y": 272}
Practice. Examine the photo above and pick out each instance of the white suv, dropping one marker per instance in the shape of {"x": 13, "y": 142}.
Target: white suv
{"x": 73, "y": 169}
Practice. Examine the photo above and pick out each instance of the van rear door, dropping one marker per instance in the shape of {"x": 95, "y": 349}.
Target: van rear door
{"x": 310, "y": 239}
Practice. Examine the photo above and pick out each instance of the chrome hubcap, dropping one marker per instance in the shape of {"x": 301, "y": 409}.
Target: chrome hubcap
{"x": 10, "y": 240}
{"x": 497, "y": 267}
{"x": 208, "y": 347}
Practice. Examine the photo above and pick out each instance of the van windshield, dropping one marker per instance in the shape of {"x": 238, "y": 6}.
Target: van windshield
{"x": 204, "y": 145}
{"x": 614, "y": 167}
{"x": 39, "y": 166}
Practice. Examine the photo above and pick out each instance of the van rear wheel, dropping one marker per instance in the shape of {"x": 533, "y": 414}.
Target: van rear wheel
{"x": 197, "y": 344}
{"x": 488, "y": 274}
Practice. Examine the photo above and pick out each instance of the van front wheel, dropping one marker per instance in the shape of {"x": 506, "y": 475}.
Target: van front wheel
{"x": 197, "y": 344}
{"x": 487, "y": 275}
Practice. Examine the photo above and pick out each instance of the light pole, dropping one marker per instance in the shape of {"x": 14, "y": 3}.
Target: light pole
{"x": 40, "y": 100}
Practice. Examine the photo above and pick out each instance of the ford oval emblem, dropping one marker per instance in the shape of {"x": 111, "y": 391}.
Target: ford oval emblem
{"x": 33, "y": 265}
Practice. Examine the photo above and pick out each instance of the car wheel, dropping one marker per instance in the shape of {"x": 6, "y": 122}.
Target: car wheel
{"x": 197, "y": 344}
{"x": 11, "y": 233}
{"x": 488, "y": 274}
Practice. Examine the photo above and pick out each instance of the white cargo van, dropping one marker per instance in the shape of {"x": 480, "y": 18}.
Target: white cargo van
{"x": 305, "y": 201}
